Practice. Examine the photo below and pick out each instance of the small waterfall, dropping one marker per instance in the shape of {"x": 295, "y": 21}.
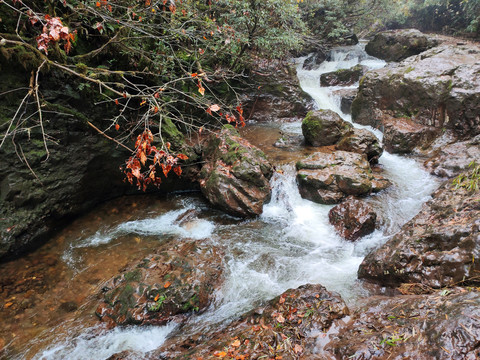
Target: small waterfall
{"x": 291, "y": 244}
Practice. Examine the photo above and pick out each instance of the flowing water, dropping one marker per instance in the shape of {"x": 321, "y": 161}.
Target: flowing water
{"x": 291, "y": 244}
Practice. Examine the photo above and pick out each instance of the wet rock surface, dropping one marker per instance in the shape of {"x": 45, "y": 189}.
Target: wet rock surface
{"x": 324, "y": 128}
{"x": 444, "y": 325}
{"x": 316, "y": 59}
{"x": 342, "y": 77}
{"x": 362, "y": 141}
{"x": 168, "y": 286}
{"x": 438, "y": 247}
{"x": 274, "y": 94}
{"x": 397, "y": 45}
{"x": 402, "y": 135}
{"x": 353, "y": 219}
{"x": 328, "y": 178}
{"x": 439, "y": 88}
{"x": 451, "y": 159}
{"x": 286, "y": 327}
{"x": 235, "y": 177}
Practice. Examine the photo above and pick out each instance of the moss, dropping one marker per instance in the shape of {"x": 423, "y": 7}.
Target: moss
{"x": 134, "y": 275}
{"x": 171, "y": 133}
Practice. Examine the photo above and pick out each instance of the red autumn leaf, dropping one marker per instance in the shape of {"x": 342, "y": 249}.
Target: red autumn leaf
{"x": 98, "y": 4}
{"x": 117, "y": 127}
{"x": 177, "y": 170}
{"x": 116, "y": 101}
{"x": 167, "y": 284}
{"x": 201, "y": 51}
{"x": 182, "y": 156}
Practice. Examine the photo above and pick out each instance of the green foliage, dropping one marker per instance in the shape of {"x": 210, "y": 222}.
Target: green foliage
{"x": 158, "y": 304}
{"x": 469, "y": 180}
{"x": 392, "y": 340}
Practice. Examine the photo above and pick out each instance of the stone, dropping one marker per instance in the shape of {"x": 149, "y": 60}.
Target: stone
{"x": 328, "y": 178}
{"x": 362, "y": 141}
{"x": 342, "y": 77}
{"x": 451, "y": 159}
{"x": 315, "y": 59}
{"x": 439, "y": 88}
{"x": 300, "y": 315}
{"x": 168, "y": 286}
{"x": 353, "y": 219}
{"x": 273, "y": 93}
{"x": 442, "y": 326}
{"x": 347, "y": 96}
{"x": 438, "y": 248}
{"x": 397, "y": 45}
{"x": 236, "y": 174}
{"x": 324, "y": 128}
{"x": 402, "y": 135}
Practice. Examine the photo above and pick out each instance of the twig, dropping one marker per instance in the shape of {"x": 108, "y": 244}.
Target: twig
{"x": 109, "y": 137}
{"x": 40, "y": 110}
{"x": 28, "y": 165}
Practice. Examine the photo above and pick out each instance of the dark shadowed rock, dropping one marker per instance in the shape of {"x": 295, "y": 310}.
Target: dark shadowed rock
{"x": 316, "y": 59}
{"x": 273, "y": 93}
{"x": 236, "y": 174}
{"x": 451, "y": 159}
{"x": 402, "y": 135}
{"x": 324, "y": 128}
{"x": 286, "y": 327}
{"x": 438, "y": 247}
{"x": 328, "y": 178}
{"x": 441, "y": 326}
{"x": 347, "y": 96}
{"x": 342, "y": 77}
{"x": 167, "y": 286}
{"x": 353, "y": 219}
{"x": 439, "y": 88}
{"x": 363, "y": 142}
{"x": 397, "y": 45}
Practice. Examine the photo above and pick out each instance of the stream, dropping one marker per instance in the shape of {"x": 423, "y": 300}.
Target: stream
{"x": 290, "y": 244}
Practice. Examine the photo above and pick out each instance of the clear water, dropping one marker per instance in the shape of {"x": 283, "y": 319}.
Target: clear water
{"x": 291, "y": 244}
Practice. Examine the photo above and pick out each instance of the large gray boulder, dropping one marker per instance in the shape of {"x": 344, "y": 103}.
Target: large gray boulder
{"x": 439, "y": 88}
{"x": 342, "y": 77}
{"x": 363, "y": 142}
{"x": 324, "y": 128}
{"x": 397, "y": 45}
{"x": 439, "y": 247}
{"x": 328, "y": 178}
{"x": 236, "y": 174}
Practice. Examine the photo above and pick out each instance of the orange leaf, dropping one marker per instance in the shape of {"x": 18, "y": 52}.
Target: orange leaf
{"x": 167, "y": 284}
{"x": 98, "y": 4}
{"x": 201, "y": 90}
{"x": 177, "y": 170}
{"x": 116, "y": 101}
{"x": 220, "y": 354}
{"x": 182, "y": 156}
{"x": 156, "y": 297}
{"x": 7, "y": 305}
{"x": 282, "y": 300}
{"x": 194, "y": 75}
{"x": 117, "y": 126}
{"x": 143, "y": 157}
{"x": 280, "y": 318}
{"x": 236, "y": 343}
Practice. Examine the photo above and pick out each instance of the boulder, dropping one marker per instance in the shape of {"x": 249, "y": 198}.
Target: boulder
{"x": 439, "y": 88}
{"x": 397, "y": 45}
{"x": 324, "y": 128}
{"x": 438, "y": 247}
{"x": 451, "y": 159}
{"x": 167, "y": 286}
{"x": 342, "y": 77}
{"x": 285, "y": 327}
{"x": 273, "y": 93}
{"x": 236, "y": 174}
{"x": 314, "y": 60}
{"x": 441, "y": 326}
{"x": 402, "y": 136}
{"x": 347, "y": 96}
{"x": 328, "y": 178}
{"x": 363, "y": 142}
{"x": 353, "y": 219}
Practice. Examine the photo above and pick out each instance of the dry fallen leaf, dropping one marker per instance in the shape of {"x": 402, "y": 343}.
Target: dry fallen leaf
{"x": 236, "y": 343}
